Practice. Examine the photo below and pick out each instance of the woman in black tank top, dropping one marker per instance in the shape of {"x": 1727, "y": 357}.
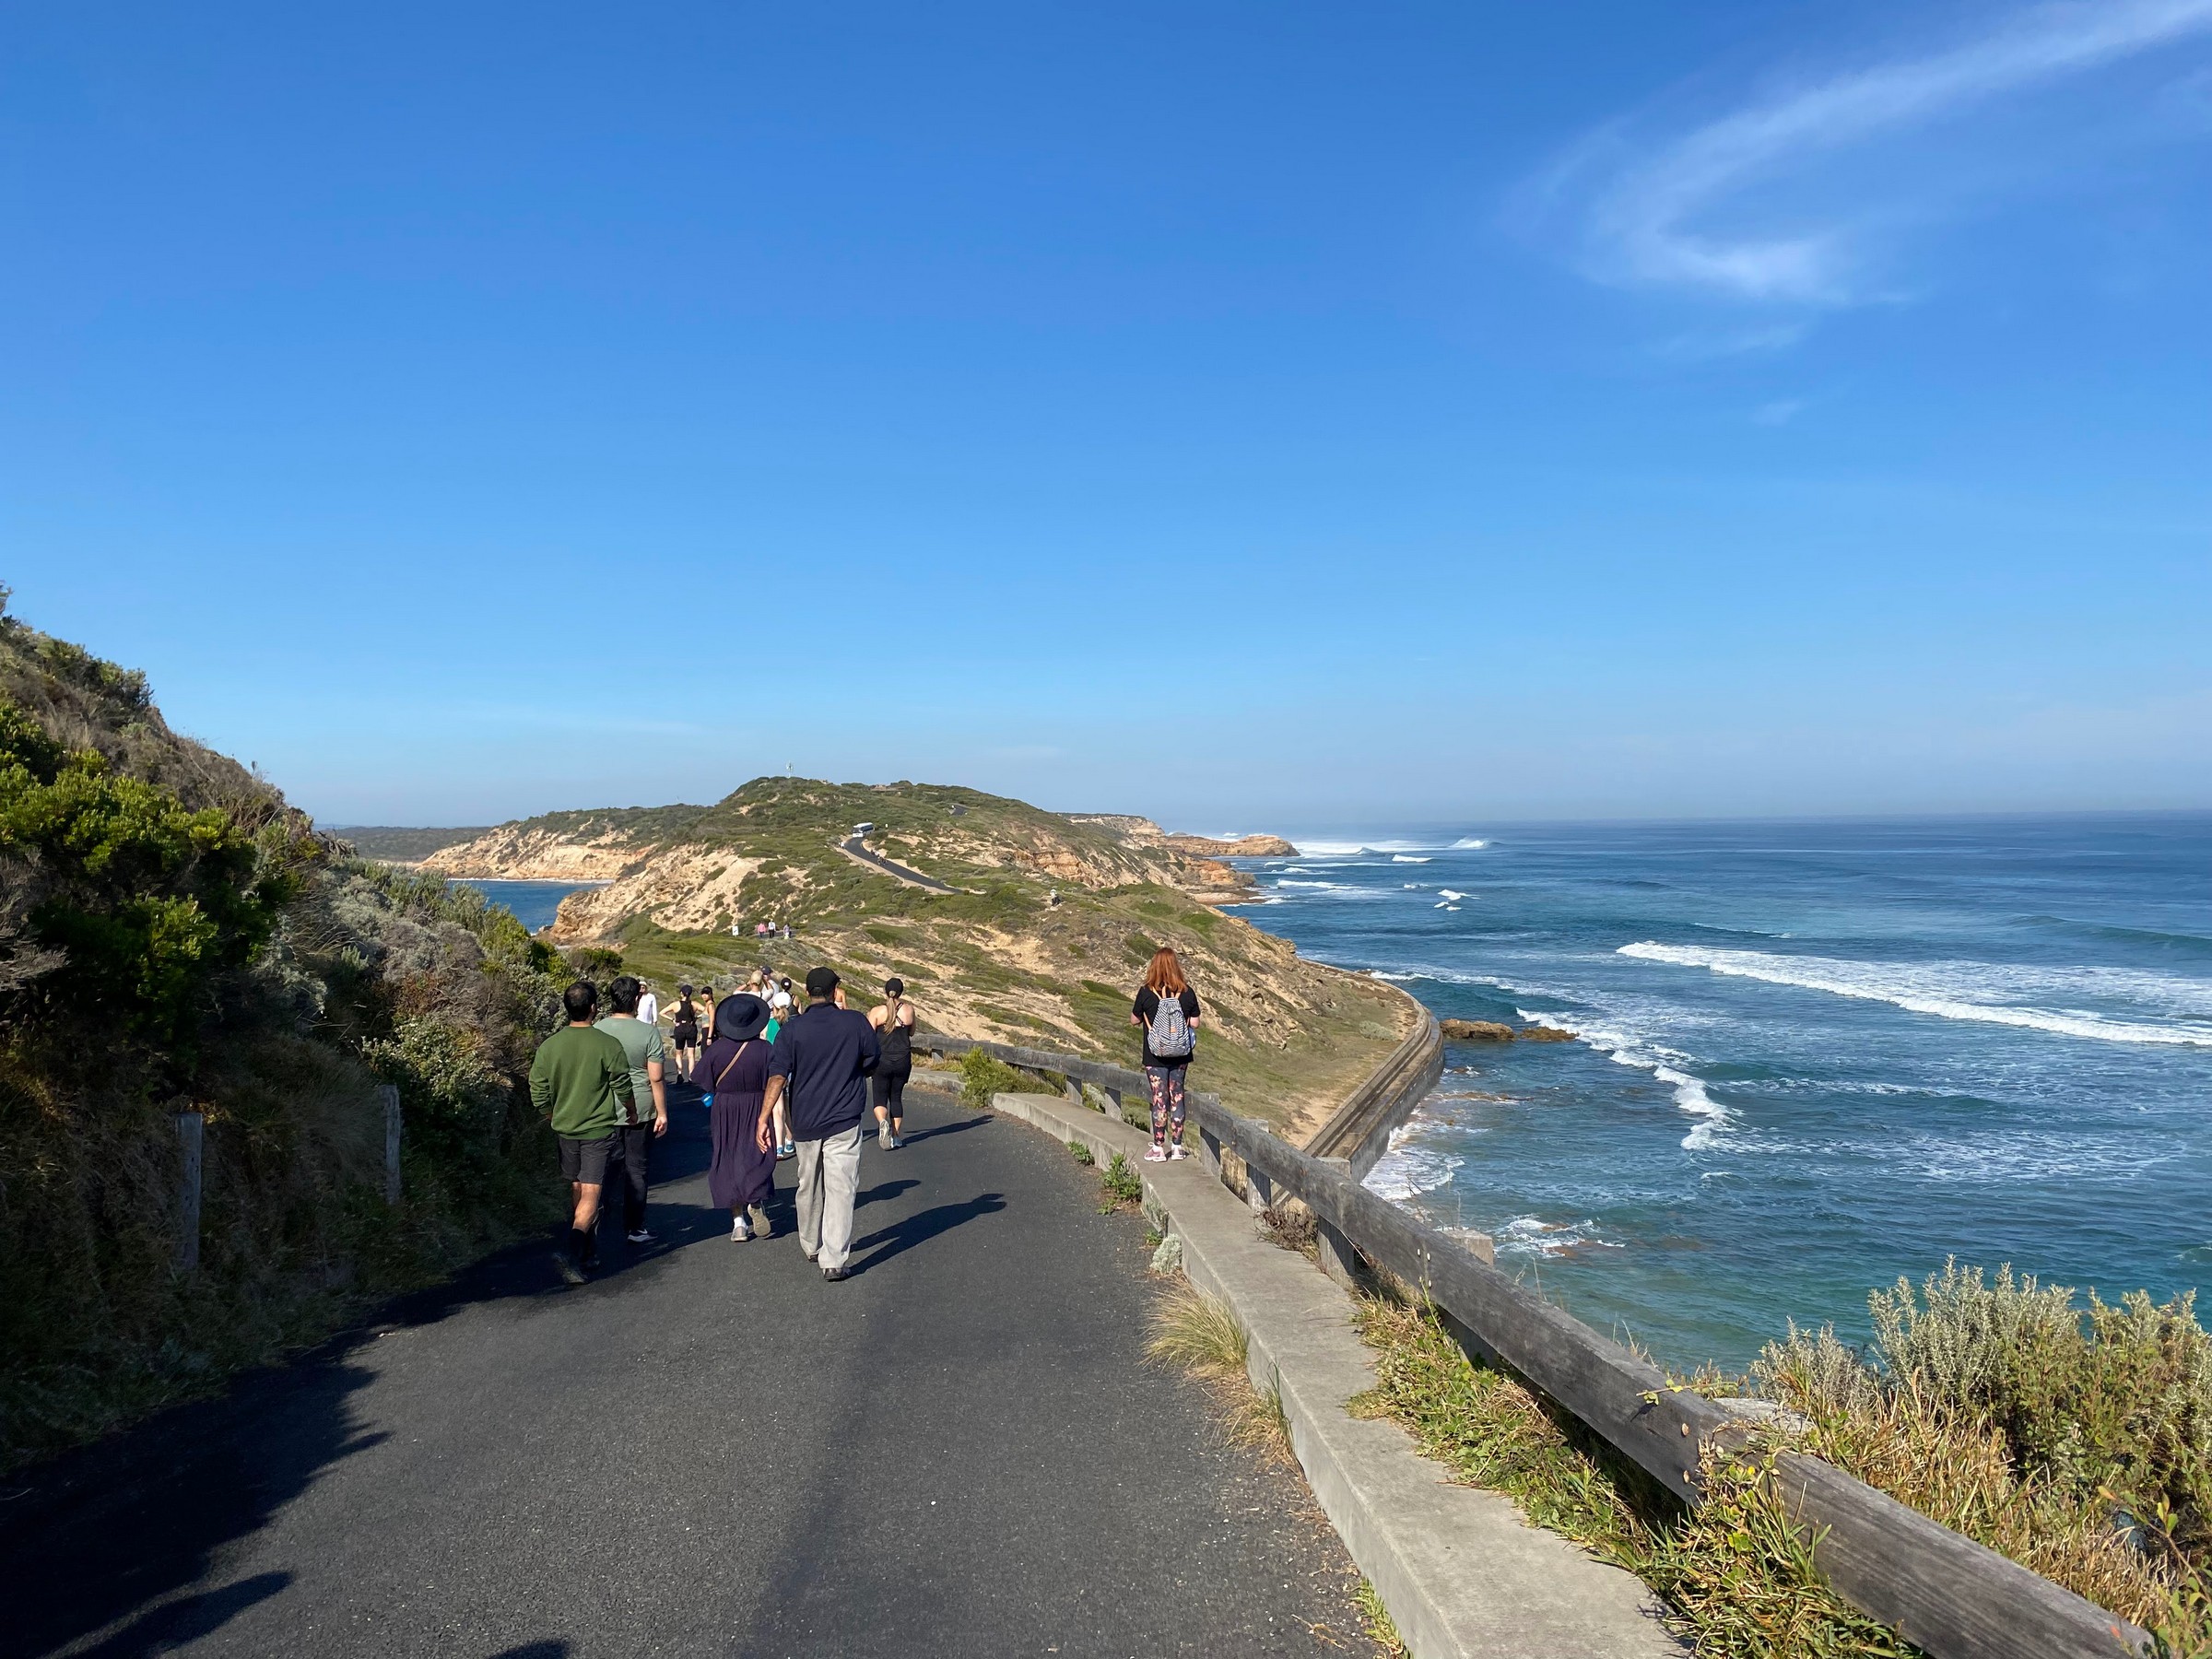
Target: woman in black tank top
{"x": 685, "y": 1037}
{"x": 894, "y": 1023}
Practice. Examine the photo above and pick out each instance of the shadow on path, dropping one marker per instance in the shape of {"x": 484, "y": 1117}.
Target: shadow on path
{"x": 922, "y": 1226}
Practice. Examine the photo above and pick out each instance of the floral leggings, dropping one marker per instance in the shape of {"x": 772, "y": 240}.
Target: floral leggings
{"x": 1167, "y": 1102}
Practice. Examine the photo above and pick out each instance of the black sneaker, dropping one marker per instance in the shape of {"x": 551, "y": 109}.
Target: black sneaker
{"x": 835, "y": 1275}
{"x": 568, "y": 1270}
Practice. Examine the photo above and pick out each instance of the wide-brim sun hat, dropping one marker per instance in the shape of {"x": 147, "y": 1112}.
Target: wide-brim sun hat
{"x": 739, "y": 1017}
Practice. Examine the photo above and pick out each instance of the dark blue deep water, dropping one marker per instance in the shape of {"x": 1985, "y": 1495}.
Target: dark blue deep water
{"x": 533, "y": 902}
{"x": 1810, "y": 1056}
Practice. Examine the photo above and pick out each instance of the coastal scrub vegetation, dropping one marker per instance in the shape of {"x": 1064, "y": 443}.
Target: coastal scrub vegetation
{"x": 175, "y": 938}
{"x": 2075, "y": 1438}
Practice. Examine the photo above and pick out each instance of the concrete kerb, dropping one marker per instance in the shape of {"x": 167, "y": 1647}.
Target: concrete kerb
{"x": 1461, "y": 1572}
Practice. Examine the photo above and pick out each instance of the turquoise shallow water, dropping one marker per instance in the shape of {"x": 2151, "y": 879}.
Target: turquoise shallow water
{"x": 1810, "y": 1056}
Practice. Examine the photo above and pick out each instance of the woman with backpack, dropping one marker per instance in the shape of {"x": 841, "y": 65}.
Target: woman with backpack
{"x": 684, "y": 1037}
{"x": 1167, "y": 1010}
{"x": 734, "y": 1072}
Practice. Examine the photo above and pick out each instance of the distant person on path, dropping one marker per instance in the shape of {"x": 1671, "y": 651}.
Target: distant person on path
{"x": 894, "y": 1023}
{"x": 684, "y": 1033}
{"x": 733, "y": 1071}
{"x": 1167, "y": 1008}
{"x": 581, "y": 1080}
{"x": 820, "y": 1069}
{"x": 780, "y": 1009}
{"x": 648, "y": 1114}
{"x": 649, "y": 1006}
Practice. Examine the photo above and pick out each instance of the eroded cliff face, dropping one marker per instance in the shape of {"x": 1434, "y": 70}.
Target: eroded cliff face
{"x": 687, "y": 889}
{"x": 520, "y": 853}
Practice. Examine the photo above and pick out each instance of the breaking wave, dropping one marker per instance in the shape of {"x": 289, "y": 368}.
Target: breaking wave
{"x": 1625, "y": 1050}
{"x": 1976, "y": 990}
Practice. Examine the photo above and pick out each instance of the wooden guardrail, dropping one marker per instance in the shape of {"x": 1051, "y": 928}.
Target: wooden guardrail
{"x": 1948, "y": 1594}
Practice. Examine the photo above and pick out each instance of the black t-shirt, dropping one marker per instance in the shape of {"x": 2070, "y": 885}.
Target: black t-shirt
{"x": 1147, "y": 1005}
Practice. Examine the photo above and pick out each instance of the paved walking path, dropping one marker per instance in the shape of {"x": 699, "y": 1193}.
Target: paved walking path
{"x": 710, "y": 1450}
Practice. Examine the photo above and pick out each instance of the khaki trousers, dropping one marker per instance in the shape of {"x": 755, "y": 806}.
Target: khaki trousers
{"x": 829, "y": 1176}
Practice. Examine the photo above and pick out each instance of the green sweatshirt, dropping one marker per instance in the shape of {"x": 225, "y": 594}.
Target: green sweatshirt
{"x": 581, "y": 1080}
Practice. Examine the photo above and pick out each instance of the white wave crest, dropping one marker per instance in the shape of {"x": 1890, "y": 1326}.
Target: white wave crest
{"x": 1405, "y": 858}
{"x": 1447, "y": 893}
{"x": 1976, "y": 990}
{"x": 1534, "y": 1236}
{"x": 1469, "y": 844}
{"x": 1625, "y": 1050}
{"x": 1407, "y": 1171}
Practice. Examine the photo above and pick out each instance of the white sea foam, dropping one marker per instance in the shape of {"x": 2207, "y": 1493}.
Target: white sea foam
{"x": 1624, "y": 1049}
{"x": 1992, "y": 993}
{"x": 1534, "y": 1236}
{"x": 1408, "y": 1170}
{"x": 1451, "y": 906}
{"x": 1405, "y": 858}
{"x": 1469, "y": 844}
{"x": 1448, "y": 893}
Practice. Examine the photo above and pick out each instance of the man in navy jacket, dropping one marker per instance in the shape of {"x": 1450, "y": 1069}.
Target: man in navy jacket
{"x": 820, "y": 1067}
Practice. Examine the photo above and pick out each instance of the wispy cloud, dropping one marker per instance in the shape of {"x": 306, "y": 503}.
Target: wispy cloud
{"x": 1674, "y": 215}
{"x": 1781, "y": 412}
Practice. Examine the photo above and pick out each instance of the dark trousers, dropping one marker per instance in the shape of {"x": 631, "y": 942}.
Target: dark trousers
{"x": 625, "y": 1174}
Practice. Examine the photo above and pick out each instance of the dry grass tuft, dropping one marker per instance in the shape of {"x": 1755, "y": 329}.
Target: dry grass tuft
{"x": 1198, "y": 1336}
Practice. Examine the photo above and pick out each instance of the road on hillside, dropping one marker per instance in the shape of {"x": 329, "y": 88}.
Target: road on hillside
{"x": 710, "y": 1450}
{"x": 853, "y": 847}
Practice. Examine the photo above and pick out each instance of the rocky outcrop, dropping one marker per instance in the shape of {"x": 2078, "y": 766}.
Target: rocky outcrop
{"x": 688, "y": 889}
{"x": 1476, "y": 1030}
{"x": 1545, "y": 1034}
{"x": 1244, "y": 846}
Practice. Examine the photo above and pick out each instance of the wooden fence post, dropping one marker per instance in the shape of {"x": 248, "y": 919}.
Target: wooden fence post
{"x": 390, "y": 1093}
{"x": 191, "y": 1128}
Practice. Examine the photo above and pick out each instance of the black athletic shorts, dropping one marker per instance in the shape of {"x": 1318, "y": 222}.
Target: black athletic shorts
{"x": 585, "y": 1161}
{"x": 889, "y": 1084}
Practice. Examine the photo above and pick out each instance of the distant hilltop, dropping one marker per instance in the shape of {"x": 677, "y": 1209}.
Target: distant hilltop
{"x": 1035, "y": 929}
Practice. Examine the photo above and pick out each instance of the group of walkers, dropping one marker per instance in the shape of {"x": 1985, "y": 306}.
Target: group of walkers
{"x": 780, "y": 1084}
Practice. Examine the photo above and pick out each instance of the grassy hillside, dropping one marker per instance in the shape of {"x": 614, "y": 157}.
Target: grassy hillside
{"x": 1044, "y": 943}
{"x": 174, "y": 937}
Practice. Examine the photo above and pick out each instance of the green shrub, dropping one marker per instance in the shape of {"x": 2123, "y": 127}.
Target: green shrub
{"x": 984, "y": 1074}
{"x": 1121, "y": 1186}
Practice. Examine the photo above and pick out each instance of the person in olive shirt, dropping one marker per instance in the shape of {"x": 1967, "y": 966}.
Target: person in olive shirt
{"x": 648, "y": 1112}
{"x": 579, "y": 1079}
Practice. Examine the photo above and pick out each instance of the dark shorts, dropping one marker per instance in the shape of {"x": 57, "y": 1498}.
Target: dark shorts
{"x": 889, "y": 1086}
{"x": 585, "y": 1161}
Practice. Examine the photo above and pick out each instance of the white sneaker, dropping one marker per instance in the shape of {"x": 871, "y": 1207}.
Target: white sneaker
{"x": 1174, "y": 1153}
{"x": 739, "y": 1232}
{"x": 883, "y": 1139}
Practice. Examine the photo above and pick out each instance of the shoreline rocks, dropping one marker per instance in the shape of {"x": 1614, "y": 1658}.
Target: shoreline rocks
{"x": 1491, "y": 1030}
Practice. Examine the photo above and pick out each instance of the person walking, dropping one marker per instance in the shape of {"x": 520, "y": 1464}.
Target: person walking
{"x": 580, "y": 1078}
{"x": 1167, "y": 1008}
{"x": 649, "y": 1006}
{"x": 733, "y": 1071}
{"x": 894, "y": 1023}
{"x": 820, "y": 1069}
{"x": 683, "y": 1032}
{"x": 648, "y": 1115}
{"x": 781, "y": 1007}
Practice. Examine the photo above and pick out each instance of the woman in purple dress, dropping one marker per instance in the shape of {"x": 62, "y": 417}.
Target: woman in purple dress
{"x": 733, "y": 1070}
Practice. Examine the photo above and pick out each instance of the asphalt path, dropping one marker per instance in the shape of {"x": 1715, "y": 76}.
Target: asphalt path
{"x": 709, "y": 1450}
{"x": 854, "y": 848}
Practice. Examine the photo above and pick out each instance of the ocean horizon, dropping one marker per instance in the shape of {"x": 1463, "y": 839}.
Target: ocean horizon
{"x": 1811, "y": 1055}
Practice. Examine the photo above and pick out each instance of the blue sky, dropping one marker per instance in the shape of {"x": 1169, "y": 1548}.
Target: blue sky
{"x": 1254, "y": 416}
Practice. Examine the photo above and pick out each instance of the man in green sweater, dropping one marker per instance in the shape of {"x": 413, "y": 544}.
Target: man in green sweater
{"x": 581, "y": 1080}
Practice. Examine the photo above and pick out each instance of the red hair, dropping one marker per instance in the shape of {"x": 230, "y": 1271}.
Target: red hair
{"x": 1165, "y": 976}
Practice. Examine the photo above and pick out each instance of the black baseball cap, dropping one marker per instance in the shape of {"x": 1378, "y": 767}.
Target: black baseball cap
{"x": 820, "y": 982}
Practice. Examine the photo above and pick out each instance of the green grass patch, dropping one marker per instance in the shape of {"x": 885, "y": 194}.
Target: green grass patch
{"x": 1121, "y": 1186}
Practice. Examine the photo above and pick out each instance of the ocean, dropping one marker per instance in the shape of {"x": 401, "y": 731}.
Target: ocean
{"x": 533, "y": 902}
{"x": 1809, "y": 1058}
